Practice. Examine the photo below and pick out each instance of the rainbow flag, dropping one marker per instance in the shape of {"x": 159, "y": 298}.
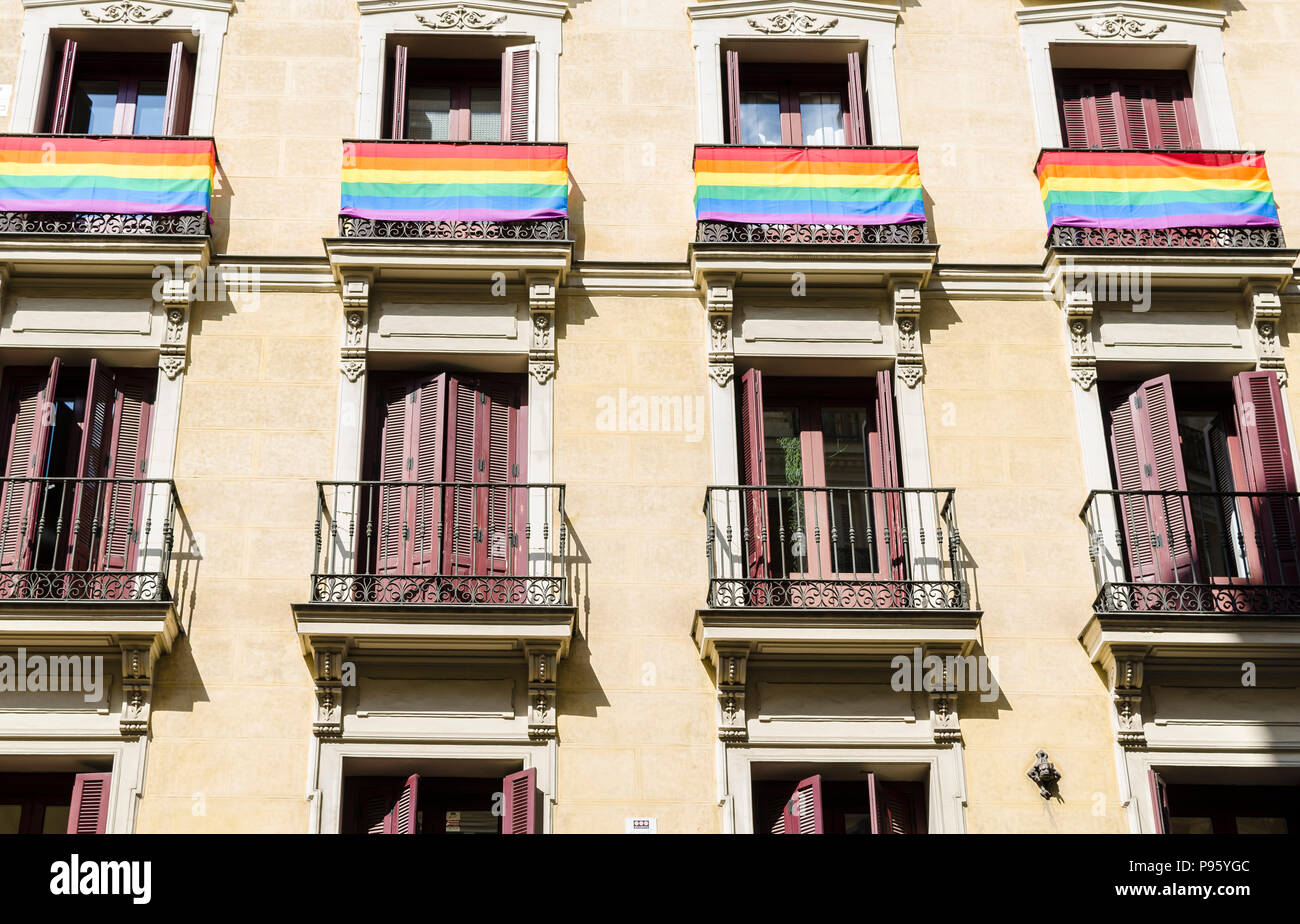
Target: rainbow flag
{"x": 1156, "y": 189}
{"x": 455, "y": 182}
{"x": 808, "y": 186}
{"x": 129, "y": 175}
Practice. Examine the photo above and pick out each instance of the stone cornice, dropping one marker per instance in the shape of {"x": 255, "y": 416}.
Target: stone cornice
{"x": 551, "y": 9}
{"x": 1157, "y": 12}
{"x": 212, "y": 6}
{"x": 740, "y": 9}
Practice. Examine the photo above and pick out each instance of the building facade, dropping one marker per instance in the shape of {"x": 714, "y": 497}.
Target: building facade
{"x": 610, "y": 415}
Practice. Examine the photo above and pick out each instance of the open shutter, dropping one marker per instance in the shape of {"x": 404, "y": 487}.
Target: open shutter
{"x": 803, "y": 813}
{"x": 63, "y": 89}
{"x": 96, "y": 434}
{"x": 1266, "y": 451}
{"x": 27, "y": 433}
{"x": 896, "y": 810}
{"x": 519, "y": 93}
{"x": 504, "y": 507}
{"x": 127, "y": 452}
{"x": 404, "y": 816}
{"x": 873, "y": 802}
{"x": 461, "y": 516}
{"x": 857, "y": 114}
{"x": 733, "y": 97}
{"x": 89, "y": 813}
{"x": 397, "y": 130}
{"x": 180, "y": 88}
{"x": 375, "y": 800}
{"x": 889, "y": 507}
{"x": 1159, "y": 802}
{"x": 522, "y": 803}
{"x": 425, "y": 451}
{"x": 753, "y": 471}
{"x": 391, "y": 529}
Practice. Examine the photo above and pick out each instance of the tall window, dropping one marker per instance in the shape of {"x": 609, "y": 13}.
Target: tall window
{"x": 1108, "y": 110}
{"x": 796, "y": 104}
{"x": 101, "y": 93}
{"x": 814, "y": 805}
{"x": 463, "y": 100}
{"x": 421, "y": 804}
{"x": 54, "y": 803}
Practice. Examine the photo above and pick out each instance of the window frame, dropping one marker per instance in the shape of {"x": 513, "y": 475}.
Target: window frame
{"x": 1183, "y": 103}
{"x": 789, "y": 82}
{"x": 454, "y": 74}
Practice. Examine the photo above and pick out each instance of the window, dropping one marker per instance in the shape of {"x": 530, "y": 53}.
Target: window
{"x": 1186, "y": 808}
{"x": 796, "y": 104}
{"x": 54, "y": 803}
{"x": 98, "y": 93}
{"x": 1206, "y": 479}
{"x": 462, "y": 100}
{"x": 834, "y": 806}
{"x": 421, "y": 804}
{"x": 63, "y": 430}
{"x": 1145, "y": 110}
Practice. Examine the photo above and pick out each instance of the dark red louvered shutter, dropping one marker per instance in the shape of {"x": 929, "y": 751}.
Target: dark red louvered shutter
{"x": 519, "y": 93}
{"x": 180, "y": 88}
{"x": 522, "y": 808}
{"x": 88, "y": 524}
{"x": 62, "y": 100}
{"x": 391, "y": 530}
{"x": 461, "y": 515}
{"x": 404, "y": 817}
{"x": 89, "y": 811}
{"x": 1074, "y": 126}
{"x": 857, "y": 109}
{"x": 753, "y": 471}
{"x": 1109, "y": 110}
{"x": 28, "y": 415}
{"x": 127, "y": 453}
{"x": 504, "y": 506}
{"x": 1159, "y": 802}
{"x": 896, "y": 810}
{"x": 1266, "y": 452}
{"x": 733, "y": 97}
{"x": 397, "y": 127}
{"x": 890, "y": 541}
{"x": 873, "y": 802}
{"x": 375, "y": 799}
{"x": 803, "y": 813}
{"x": 425, "y": 452}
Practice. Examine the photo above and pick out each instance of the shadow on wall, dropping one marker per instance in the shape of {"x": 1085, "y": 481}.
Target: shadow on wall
{"x": 580, "y": 692}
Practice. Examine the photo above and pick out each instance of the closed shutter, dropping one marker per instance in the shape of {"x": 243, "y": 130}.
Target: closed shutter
{"x": 127, "y": 454}
{"x": 1266, "y": 451}
{"x": 504, "y": 506}
{"x": 857, "y": 109}
{"x": 803, "y": 813}
{"x": 426, "y": 451}
{"x": 388, "y": 542}
{"x": 522, "y": 809}
{"x": 404, "y": 817}
{"x": 1148, "y": 457}
{"x": 97, "y": 430}
{"x": 27, "y": 435}
{"x": 753, "y": 471}
{"x": 89, "y": 812}
{"x": 1113, "y": 110}
{"x": 461, "y": 517}
{"x": 888, "y": 509}
{"x": 1159, "y": 802}
{"x": 62, "y": 98}
{"x": 519, "y": 93}
{"x": 733, "y": 97}
{"x": 180, "y": 88}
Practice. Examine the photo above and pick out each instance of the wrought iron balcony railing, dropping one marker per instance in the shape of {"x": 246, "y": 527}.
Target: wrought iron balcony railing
{"x": 440, "y": 543}
{"x": 835, "y": 548}
{"x": 1168, "y": 199}
{"x": 757, "y": 194}
{"x": 1194, "y": 552}
{"x": 106, "y": 184}
{"x": 68, "y": 540}
{"x": 455, "y": 191}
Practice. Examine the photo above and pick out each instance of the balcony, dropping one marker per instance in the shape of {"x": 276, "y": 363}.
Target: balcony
{"x": 835, "y": 571}
{"x": 452, "y": 211}
{"x": 104, "y": 205}
{"x": 852, "y": 215}
{"x": 1196, "y": 218}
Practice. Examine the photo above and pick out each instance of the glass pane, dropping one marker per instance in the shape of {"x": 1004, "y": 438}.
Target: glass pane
{"x": 56, "y": 819}
{"x": 150, "y": 101}
{"x": 786, "y": 536}
{"x": 1190, "y": 825}
{"x": 11, "y": 817}
{"x": 784, "y": 456}
{"x": 857, "y": 823}
{"x": 822, "y": 115}
{"x": 846, "y": 466}
{"x": 428, "y": 113}
{"x": 485, "y": 114}
{"x": 93, "y": 107}
{"x": 760, "y": 118}
{"x": 1261, "y": 825}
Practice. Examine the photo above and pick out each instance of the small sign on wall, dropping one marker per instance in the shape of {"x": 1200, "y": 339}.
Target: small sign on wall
{"x": 640, "y": 826}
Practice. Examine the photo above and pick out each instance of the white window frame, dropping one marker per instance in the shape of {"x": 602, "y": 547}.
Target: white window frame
{"x": 1168, "y": 28}
{"x": 714, "y": 23}
{"x": 38, "y": 57}
{"x": 1137, "y": 766}
{"x": 128, "y": 765}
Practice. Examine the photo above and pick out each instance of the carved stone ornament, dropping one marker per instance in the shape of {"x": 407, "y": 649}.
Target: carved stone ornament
{"x": 541, "y": 307}
{"x": 910, "y": 366}
{"x": 461, "y": 17}
{"x": 722, "y": 373}
{"x": 328, "y": 663}
{"x": 356, "y": 304}
{"x": 137, "y": 689}
{"x": 173, "y": 355}
{"x": 732, "y": 665}
{"x": 1118, "y": 25}
{"x": 1266, "y": 318}
{"x": 793, "y": 22}
{"x": 1044, "y": 773}
{"x": 542, "y": 371}
{"x": 542, "y": 661}
{"x": 126, "y": 12}
{"x": 1078, "y": 325}
{"x": 943, "y": 717}
{"x": 1125, "y": 676}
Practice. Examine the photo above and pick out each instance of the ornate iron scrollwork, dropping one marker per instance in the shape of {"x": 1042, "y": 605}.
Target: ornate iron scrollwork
{"x": 189, "y": 224}
{"x": 551, "y": 229}
{"x": 725, "y": 232}
{"x": 1220, "y": 238}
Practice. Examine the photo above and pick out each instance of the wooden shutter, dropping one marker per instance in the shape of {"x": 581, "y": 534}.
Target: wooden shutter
{"x": 1266, "y": 452}
{"x": 522, "y": 804}
{"x": 405, "y": 814}
{"x": 391, "y": 530}
{"x": 873, "y": 802}
{"x": 1148, "y": 457}
{"x": 97, "y": 431}
{"x": 127, "y": 455}
{"x": 63, "y": 89}
{"x": 27, "y": 414}
{"x": 1159, "y": 802}
{"x": 889, "y": 508}
{"x": 857, "y": 111}
{"x": 519, "y": 93}
{"x": 397, "y": 130}
{"x": 803, "y": 813}
{"x": 733, "y": 97}
{"x": 753, "y": 471}
{"x": 89, "y": 812}
{"x": 425, "y": 451}
{"x": 896, "y": 810}
{"x": 1112, "y": 110}
{"x": 461, "y": 516}
{"x": 503, "y": 506}
{"x": 180, "y": 88}
{"x": 375, "y": 799}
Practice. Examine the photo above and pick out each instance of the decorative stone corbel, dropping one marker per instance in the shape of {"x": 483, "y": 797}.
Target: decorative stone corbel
{"x": 138, "y": 659}
{"x": 542, "y": 659}
{"x": 906, "y": 295}
{"x": 719, "y": 303}
{"x": 328, "y": 656}
{"x": 1266, "y": 319}
{"x": 1078, "y": 326}
{"x": 356, "y": 309}
{"x": 1124, "y": 677}
{"x": 731, "y": 664}
{"x": 944, "y": 719}
{"x": 176, "y": 296}
{"x": 541, "y": 308}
